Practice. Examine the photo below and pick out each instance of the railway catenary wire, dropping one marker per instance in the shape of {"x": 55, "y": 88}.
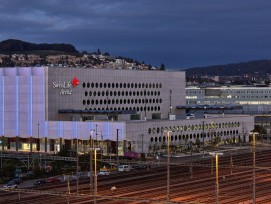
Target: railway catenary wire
{"x": 207, "y": 169}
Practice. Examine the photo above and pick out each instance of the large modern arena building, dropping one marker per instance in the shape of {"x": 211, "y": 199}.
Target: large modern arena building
{"x": 47, "y": 108}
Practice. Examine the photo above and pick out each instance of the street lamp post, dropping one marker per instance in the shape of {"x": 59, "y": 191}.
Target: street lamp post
{"x": 117, "y": 147}
{"x": 168, "y": 161}
{"x": 97, "y": 143}
{"x": 142, "y": 144}
{"x": 38, "y": 145}
{"x": 203, "y": 135}
{"x": 170, "y": 106}
{"x": 77, "y": 166}
{"x": 95, "y": 174}
{"x": 191, "y": 160}
{"x": 254, "y": 161}
{"x": 91, "y": 162}
{"x": 216, "y": 183}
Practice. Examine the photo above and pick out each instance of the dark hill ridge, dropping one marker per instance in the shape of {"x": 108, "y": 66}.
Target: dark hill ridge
{"x": 18, "y": 46}
{"x": 261, "y": 67}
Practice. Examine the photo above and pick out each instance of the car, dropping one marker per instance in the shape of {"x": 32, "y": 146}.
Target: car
{"x": 135, "y": 167}
{"x": 104, "y": 173}
{"x": 190, "y": 115}
{"x": 124, "y": 168}
{"x": 30, "y": 173}
{"x": 40, "y": 182}
{"x": 11, "y": 185}
{"x": 143, "y": 166}
{"x": 17, "y": 181}
{"x": 53, "y": 180}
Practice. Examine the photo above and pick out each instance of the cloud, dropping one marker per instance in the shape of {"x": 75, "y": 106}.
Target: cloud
{"x": 178, "y": 33}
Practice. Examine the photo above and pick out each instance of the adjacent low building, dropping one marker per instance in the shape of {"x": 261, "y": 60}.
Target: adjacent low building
{"x": 254, "y": 99}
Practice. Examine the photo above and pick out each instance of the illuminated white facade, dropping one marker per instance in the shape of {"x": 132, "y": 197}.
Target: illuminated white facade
{"x": 253, "y": 99}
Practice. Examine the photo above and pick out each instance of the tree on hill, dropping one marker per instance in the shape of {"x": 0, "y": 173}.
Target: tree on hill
{"x": 162, "y": 66}
{"x": 12, "y": 45}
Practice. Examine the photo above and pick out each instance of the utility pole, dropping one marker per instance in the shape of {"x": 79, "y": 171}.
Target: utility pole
{"x": 97, "y": 144}
{"x": 77, "y": 177}
{"x": 95, "y": 175}
{"x": 117, "y": 147}
{"x": 170, "y": 106}
{"x": 91, "y": 163}
{"x": 203, "y": 135}
{"x": 168, "y": 162}
{"x": 38, "y": 145}
{"x": 216, "y": 154}
{"x": 142, "y": 146}
{"x": 191, "y": 161}
{"x": 254, "y": 161}
{"x": 145, "y": 108}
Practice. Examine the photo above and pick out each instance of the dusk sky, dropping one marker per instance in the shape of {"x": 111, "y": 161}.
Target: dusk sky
{"x": 179, "y": 33}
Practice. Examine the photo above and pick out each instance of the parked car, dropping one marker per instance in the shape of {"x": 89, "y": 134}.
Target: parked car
{"x": 40, "y": 182}
{"x": 190, "y": 115}
{"x": 30, "y": 173}
{"x": 143, "y": 166}
{"x": 104, "y": 173}
{"x": 53, "y": 180}
{"x": 17, "y": 181}
{"x": 135, "y": 167}
{"x": 11, "y": 185}
{"x": 124, "y": 168}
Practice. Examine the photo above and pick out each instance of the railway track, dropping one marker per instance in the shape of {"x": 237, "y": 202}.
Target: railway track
{"x": 149, "y": 186}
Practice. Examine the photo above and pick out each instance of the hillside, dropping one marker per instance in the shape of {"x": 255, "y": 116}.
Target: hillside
{"x": 17, "y": 53}
{"x": 17, "y": 46}
{"x": 261, "y": 67}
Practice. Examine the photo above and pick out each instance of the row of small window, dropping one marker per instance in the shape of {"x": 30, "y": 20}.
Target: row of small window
{"x": 122, "y": 93}
{"x": 121, "y": 85}
{"x": 211, "y": 126}
{"x": 149, "y": 108}
{"x": 120, "y": 101}
{"x": 193, "y": 136}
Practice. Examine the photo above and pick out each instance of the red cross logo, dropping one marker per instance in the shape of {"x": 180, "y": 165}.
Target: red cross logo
{"x": 75, "y": 82}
